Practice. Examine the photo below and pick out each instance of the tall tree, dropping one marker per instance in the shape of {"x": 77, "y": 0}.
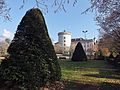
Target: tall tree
{"x": 79, "y": 53}
{"x": 109, "y": 19}
{"x": 4, "y": 10}
{"x": 32, "y": 61}
{"x": 106, "y": 43}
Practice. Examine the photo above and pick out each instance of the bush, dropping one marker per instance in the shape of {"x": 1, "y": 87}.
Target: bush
{"x": 32, "y": 61}
{"x": 79, "y": 53}
{"x": 100, "y": 56}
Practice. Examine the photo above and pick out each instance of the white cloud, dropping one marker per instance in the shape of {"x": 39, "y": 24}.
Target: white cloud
{"x": 7, "y": 34}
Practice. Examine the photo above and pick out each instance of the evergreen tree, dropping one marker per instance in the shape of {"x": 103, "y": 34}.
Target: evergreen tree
{"x": 32, "y": 60}
{"x": 79, "y": 53}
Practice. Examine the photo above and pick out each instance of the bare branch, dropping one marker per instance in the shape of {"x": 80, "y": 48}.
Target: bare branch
{"x": 108, "y": 17}
{"x": 4, "y": 11}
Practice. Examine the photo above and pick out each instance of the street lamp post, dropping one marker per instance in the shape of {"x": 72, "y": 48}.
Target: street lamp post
{"x": 85, "y": 38}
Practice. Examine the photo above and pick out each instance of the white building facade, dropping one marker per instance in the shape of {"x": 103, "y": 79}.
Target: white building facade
{"x": 89, "y": 45}
{"x": 66, "y": 45}
{"x": 64, "y": 40}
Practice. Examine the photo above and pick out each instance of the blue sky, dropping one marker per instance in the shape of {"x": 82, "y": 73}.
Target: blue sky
{"x": 72, "y": 20}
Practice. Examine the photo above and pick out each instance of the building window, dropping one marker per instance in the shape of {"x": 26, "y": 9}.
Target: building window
{"x": 64, "y": 41}
{"x": 64, "y": 37}
{"x": 64, "y": 44}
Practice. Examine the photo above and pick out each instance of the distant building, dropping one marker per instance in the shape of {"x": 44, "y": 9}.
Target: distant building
{"x": 64, "y": 40}
{"x": 89, "y": 45}
{"x": 66, "y": 45}
{"x": 3, "y": 48}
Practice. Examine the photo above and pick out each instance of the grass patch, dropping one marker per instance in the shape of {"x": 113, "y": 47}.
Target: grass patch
{"x": 89, "y": 72}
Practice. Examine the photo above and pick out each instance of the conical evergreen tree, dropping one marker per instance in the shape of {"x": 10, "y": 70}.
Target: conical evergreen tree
{"x": 79, "y": 53}
{"x": 32, "y": 59}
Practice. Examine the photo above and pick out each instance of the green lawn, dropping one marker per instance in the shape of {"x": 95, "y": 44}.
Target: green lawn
{"x": 89, "y": 75}
{"x": 90, "y": 72}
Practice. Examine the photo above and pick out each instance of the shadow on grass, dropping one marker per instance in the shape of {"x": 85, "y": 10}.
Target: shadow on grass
{"x": 76, "y": 85}
{"x": 87, "y": 70}
{"x": 106, "y": 73}
{"x": 70, "y": 65}
{"x": 109, "y": 86}
{"x": 102, "y": 76}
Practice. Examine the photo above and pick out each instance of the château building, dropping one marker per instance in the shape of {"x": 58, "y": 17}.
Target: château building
{"x": 64, "y": 40}
{"x": 89, "y": 45}
{"x": 66, "y": 45}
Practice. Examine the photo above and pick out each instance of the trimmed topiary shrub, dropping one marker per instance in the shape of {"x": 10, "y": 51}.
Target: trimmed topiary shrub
{"x": 79, "y": 53}
{"x": 32, "y": 61}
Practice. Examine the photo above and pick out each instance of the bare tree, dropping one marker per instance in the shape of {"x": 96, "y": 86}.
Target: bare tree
{"x": 4, "y": 10}
{"x": 108, "y": 17}
{"x": 42, "y": 4}
{"x": 107, "y": 14}
{"x": 58, "y": 48}
{"x": 106, "y": 44}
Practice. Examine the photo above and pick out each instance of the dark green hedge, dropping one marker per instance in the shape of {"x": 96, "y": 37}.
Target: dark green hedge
{"x": 79, "y": 53}
{"x": 32, "y": 59}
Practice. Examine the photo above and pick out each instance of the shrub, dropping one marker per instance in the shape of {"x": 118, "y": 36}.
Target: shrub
{"x": 79, "y": 53}
{"x": 100, "y": 55}
{"x": 32, "y": 61}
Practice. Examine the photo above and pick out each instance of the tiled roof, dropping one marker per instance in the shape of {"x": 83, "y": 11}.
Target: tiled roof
{"x": 81, "y": 39}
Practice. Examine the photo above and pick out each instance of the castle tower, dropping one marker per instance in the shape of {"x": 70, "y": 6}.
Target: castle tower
{"x": 64, "y": 39}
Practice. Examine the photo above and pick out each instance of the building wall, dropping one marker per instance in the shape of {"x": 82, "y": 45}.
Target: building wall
{"x": 58, "y": 48}
{"x": 64, "y": 39}
{"x": 66, "y": 45}
{"x": 88, "y": 45}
